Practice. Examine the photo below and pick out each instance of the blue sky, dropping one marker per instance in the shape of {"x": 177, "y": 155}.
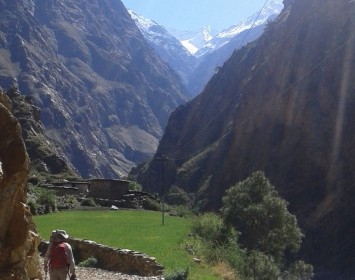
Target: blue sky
{"x": 194, "y": 14}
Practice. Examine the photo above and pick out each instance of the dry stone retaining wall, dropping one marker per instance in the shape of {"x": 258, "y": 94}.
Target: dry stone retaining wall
{"x": 113, "y": 259}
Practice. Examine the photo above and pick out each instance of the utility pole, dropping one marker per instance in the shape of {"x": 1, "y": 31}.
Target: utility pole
{"x": 162, "y": 159}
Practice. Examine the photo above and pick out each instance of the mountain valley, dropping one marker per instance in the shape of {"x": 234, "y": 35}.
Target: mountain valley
{"x": 100, "y": 91}
{"x": 282, "y": 104}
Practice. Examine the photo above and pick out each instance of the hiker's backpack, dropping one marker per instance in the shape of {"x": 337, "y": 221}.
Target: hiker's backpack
{"x": 59, "y": 257}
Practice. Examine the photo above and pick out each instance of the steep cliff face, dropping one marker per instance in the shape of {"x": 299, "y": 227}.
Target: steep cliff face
{"x": 18, "y": 237}
{"x": 283, "y": 104}
{"x": 105, "y": 96}
{"x": 44, "y": 157}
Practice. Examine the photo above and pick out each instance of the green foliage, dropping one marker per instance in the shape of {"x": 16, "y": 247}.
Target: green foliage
{"x": 135, "y": 186}
{"x": 33, "y": 207}
{"x": 178, "y": 274}
{"x": 267, "y": 229}
{"x": 90, "y": 262}
{"x": 177, "y": 196}
{"x": 181, "y": 211}
{"x": 151, "y": 204}
{"x": 255, "y": 209}
{"x": 215, "y": 241}
{"x": 211, "y": 227}
{"x": 42, "y": 198}
{"x": 299, "y": 271}
{"x": 67, "y": 202}
{"x": 259, "y": 266}
{"x": 88, "y": 202}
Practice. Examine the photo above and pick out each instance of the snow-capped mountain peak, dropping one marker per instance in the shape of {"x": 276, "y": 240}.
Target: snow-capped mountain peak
{"x": 193, "y": 40}
{"x": 167, "y": 46}
{"x": 257, "y": 19}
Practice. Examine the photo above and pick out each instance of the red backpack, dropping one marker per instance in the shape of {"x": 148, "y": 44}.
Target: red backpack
{"x": 59, "y": 257}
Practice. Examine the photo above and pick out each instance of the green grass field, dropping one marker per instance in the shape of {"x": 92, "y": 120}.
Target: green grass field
{"x": 128, "y": 229}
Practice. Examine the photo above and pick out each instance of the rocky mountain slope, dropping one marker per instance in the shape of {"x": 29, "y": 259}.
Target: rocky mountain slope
{"x": 44, "y": 157}
{"x": 282, "y": 104}
{"x": 167, "y": 46}
{"x": 104, "y": 95}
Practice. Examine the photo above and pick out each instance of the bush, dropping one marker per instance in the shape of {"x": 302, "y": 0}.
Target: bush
{"x": 90, "y": 262}
{"x": 88, "y": 202}
{"x": 42, "y": 198}
{"x": 33, "y": 207}
{"x": 151, "y": 204}
{"x": 134, "y": 186}
{"x": 299, "y": 271}
{"x": 211, "y": 227}
{"x": 260, "y": 266}
{"x": 177, "y": 196}
{"x": 215, "y": 241}
{"x": 181, "y": 211}
{"x": 179, "y": 274}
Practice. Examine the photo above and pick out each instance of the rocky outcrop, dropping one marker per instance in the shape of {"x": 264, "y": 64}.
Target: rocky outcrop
{"x": 284, "y": 105}
{"x": 44, "y": 156}
{"x": 104, "y": 95}
{"x": 18, "y": 237}
{"x": 112, "y": 259}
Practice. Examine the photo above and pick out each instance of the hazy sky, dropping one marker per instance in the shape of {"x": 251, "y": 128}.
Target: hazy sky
{"x": 194, "y": 14}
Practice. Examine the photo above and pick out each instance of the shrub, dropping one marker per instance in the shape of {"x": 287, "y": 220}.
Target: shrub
{"x": 215, "y": 241}
{"x": 211, "y": 227}
{"x": 260, "y": 266}
{"x": 45, "y": 198}
{"x": 90, "y": 262}
{"x": 134, "y": 186}
{"x": 178, "y": 274}
{"x": 181, "y": 211}
{"x": 299, "y": 271}
{"x": 88, "y": 202}
{"x": 151, "y": 204}
{"x": 177, "y": 196}
{"x": 33, "y": 207}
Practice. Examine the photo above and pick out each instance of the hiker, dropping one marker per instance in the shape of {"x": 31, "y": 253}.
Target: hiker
{"x": 59, "y": 257}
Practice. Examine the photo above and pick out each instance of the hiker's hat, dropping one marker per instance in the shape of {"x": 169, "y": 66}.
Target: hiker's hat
{"x": 60, "y": 233}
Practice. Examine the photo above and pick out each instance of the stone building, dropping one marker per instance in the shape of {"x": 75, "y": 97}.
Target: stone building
{"x": 108, "y": 188}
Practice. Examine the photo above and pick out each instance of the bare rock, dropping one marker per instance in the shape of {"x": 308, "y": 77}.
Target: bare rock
{"x": 18, "y": 237}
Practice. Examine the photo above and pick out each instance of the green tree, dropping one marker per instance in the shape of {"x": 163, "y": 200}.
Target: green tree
{"x": 215, "y": 241}
{"x": 177, "y": 196}
{"x": 258, "y": 266}
{"x": 256, "y": 210}
{"x": 134, "y": 186}
{"x": 299, "y": 271}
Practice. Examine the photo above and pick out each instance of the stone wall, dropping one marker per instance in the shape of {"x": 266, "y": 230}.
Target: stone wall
{"x": 18, "y": 237}
{"x": 119, "y": 260}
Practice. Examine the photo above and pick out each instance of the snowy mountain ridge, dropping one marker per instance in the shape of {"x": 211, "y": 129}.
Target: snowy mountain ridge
{"x": 258, "y": 19}
{"x": 195, "y": 54}
{"x": 205, "y": 40}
